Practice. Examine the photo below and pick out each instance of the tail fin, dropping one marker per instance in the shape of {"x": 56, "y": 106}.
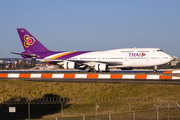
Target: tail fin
{"x": 29, "y": 42}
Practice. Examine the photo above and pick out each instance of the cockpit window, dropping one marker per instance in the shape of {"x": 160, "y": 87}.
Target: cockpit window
{"x": 159, "y": 50}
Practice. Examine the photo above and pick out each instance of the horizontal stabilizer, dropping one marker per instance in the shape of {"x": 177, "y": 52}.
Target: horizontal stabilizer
{"x": 29, "y": 56}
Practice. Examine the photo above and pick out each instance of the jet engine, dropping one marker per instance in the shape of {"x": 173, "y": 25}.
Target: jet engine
{"x": 70, "y": 65}
{"x": 101, "y": 67}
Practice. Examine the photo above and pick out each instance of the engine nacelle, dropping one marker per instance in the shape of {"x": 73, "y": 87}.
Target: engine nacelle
{"x": 70, "y": 65}
{"x": 101, "y": 67}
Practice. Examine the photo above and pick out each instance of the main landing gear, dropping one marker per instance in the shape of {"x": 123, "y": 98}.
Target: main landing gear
{"x": 92, "y": 70}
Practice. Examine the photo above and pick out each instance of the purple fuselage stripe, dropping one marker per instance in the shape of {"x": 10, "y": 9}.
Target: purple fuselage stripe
{"x": 46, "y": 54}
{"x": 72, "y": 55}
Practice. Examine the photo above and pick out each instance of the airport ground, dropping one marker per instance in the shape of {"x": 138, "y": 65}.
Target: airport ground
{"x": 118, "y": 99}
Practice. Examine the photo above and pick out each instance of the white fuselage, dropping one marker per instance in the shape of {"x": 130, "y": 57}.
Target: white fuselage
{"x": 129, "y": 57}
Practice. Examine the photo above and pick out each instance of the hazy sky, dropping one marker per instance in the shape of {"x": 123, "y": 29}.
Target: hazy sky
{"x": 91, "y": 24}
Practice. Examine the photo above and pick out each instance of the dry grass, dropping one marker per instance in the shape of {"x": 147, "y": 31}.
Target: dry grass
{"x": 111, "y": 97}
{"x": 20, "y": 88}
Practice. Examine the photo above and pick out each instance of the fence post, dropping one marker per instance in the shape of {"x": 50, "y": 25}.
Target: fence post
{"x": 129, "y": 109}
{"x": 29, "y": 109}
{"x": 62, "y": 108}
{"x": 155, "y": 112}
{"x": 129, "y": 106}
{"x": 168, "y": 108}
{"x": 133, "y": 115}
{"x": 83, "y": 117}
{"x": 96, "y": 107}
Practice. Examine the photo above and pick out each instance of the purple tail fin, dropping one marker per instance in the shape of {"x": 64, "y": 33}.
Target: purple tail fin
{"x": 30, "y": 43}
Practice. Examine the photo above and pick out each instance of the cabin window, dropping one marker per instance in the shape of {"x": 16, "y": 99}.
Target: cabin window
{"x": 87, "y": 58}
{"x": 164, "y": 57}
{"x": 116, "y": 58}
{"x": 155, "y": 58}
{"x": 159, "y": 50}
{"x": 127, "y": 51}
{"x": 138, "y": 58}
{"x": 142, "y": 51}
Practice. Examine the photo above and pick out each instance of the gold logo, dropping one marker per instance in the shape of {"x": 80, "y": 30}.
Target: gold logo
{"x": 28, "y": 41}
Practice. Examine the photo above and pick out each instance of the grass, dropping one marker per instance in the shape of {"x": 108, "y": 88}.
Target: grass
{"x": 112, "y": 97}
{"x": 20, "y": 88}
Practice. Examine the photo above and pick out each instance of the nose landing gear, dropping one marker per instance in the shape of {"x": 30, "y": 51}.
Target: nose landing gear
{"x": 155, "y": 69}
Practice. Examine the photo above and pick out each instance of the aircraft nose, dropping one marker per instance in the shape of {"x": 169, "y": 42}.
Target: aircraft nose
{"x": 171, "y": 58}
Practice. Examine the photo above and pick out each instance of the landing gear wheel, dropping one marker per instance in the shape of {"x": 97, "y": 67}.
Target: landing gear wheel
{"x": 155, "y": 69}
{"x": 92, "y": 70}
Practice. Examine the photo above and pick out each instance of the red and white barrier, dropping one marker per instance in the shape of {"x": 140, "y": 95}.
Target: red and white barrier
{"x": 88, "y": 76}
{"x": 174, "y": 71}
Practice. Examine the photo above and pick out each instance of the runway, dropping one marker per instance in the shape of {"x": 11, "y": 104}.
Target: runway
{"x": 79, "y": 71}
{"x": 140, "y": 81}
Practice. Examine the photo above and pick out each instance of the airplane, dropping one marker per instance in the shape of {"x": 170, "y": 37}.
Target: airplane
{"x": 126, "y": 58}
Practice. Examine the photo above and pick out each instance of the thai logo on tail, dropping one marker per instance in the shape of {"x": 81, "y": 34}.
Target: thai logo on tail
{"x": 28, "y": 41}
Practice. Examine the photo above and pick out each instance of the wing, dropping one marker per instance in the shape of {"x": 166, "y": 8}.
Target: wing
{"x": 93, "y": 63}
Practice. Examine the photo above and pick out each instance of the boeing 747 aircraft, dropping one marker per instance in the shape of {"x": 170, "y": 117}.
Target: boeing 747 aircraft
{"x": 91, "y": 60}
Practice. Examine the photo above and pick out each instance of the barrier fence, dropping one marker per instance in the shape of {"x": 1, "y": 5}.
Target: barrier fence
{"x": 89, "y": 76}
{"x": 99, "y": 108}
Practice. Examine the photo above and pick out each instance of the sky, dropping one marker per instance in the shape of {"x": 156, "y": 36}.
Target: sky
{"x": 90, "y": 25}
